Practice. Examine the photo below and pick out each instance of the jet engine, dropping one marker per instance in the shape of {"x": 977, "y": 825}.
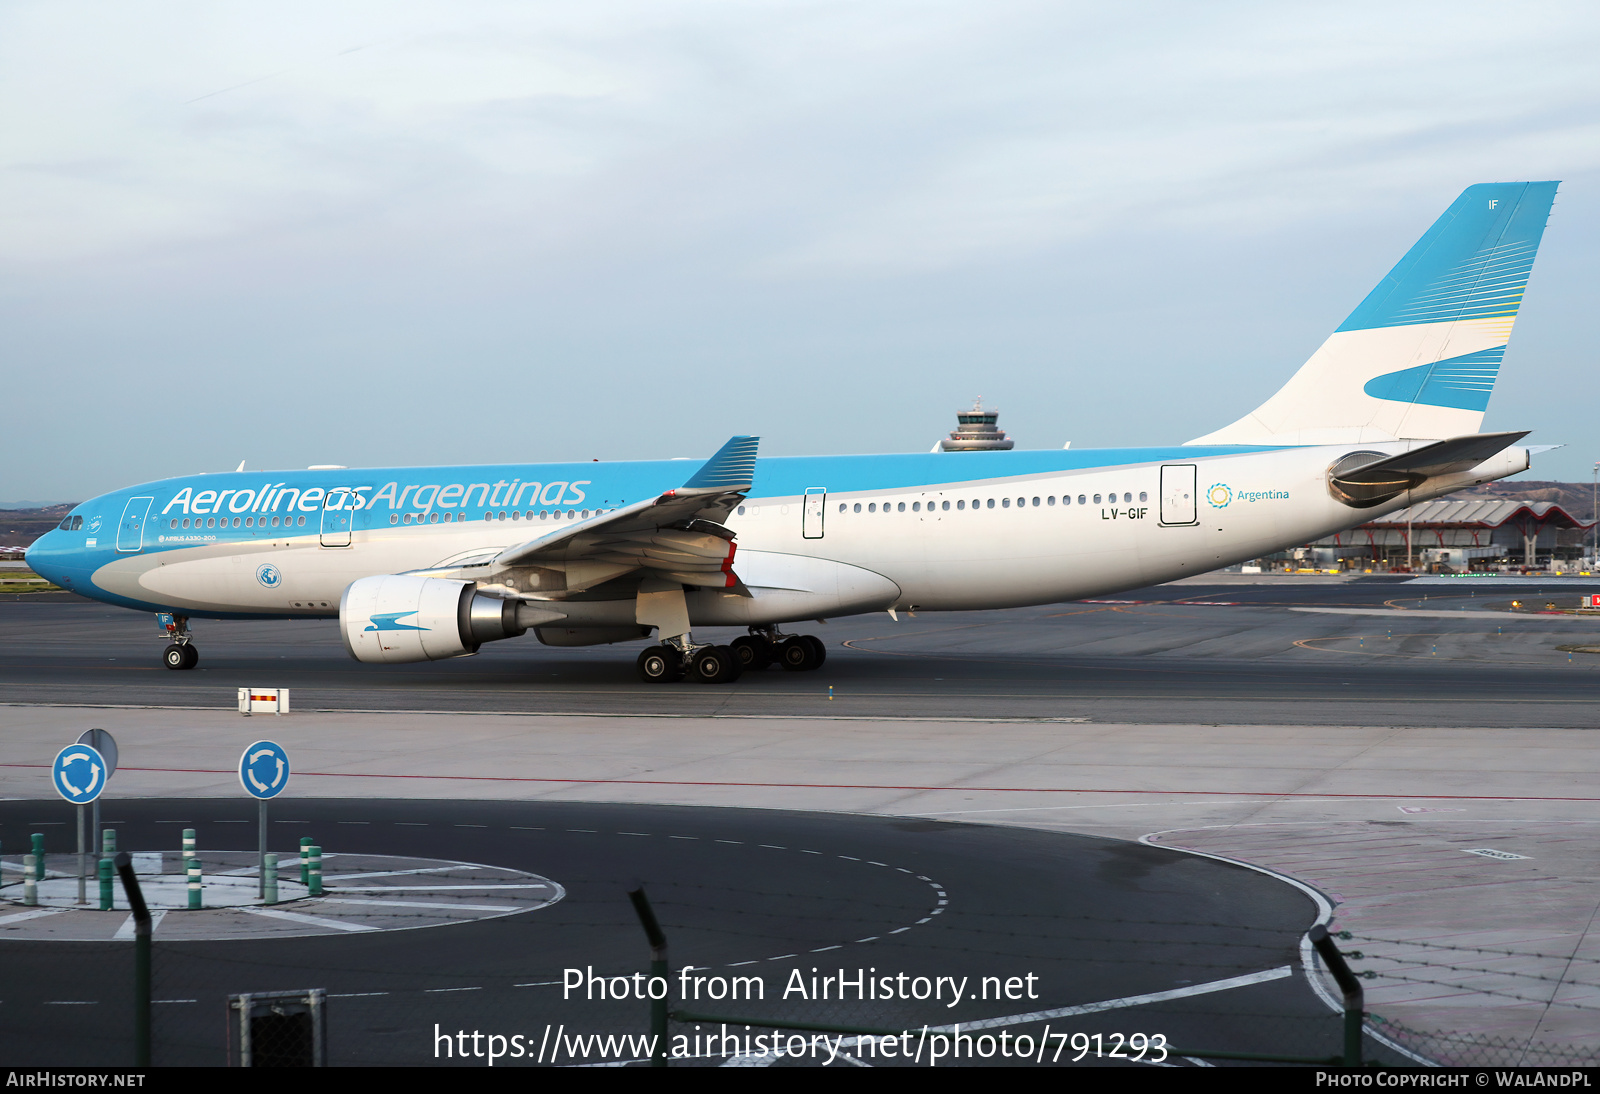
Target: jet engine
{"x": 395, "y": 618}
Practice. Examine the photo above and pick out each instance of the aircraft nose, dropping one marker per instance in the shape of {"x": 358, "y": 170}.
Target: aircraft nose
{"x": 44, "y": 556}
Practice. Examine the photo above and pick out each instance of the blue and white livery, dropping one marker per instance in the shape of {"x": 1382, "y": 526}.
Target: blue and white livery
{"x": 429, "y": 563}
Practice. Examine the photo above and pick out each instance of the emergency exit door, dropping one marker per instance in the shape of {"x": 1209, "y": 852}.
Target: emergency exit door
{"x": 1178, "y": 496}
{"x": 816, "y": 505}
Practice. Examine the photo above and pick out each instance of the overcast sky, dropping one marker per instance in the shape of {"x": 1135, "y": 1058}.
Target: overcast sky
{"x": 394, "y": 233}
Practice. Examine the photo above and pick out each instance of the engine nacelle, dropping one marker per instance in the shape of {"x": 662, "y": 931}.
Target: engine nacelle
{"x": 396, "y": 618}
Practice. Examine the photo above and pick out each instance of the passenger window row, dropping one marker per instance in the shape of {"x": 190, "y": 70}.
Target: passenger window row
{"x": 989, "y": 503}
{"x": 547, "y": 514}
{"x": 247, "y": 522}
{"x": 543, "y": 514}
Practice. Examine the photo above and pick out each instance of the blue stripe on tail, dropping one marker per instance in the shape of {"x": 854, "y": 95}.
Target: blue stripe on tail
{"x": 1472, "y": 264}
{"x": 1463, "y": 382}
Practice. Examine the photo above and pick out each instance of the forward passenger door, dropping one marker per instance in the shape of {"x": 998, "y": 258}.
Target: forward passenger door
{"x": 130, "y": 533}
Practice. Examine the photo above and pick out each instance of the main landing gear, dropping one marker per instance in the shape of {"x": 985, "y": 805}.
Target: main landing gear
{"x": 705, "y": 664}
{"x": 765, "y": 646}
{"x": 180, "y": 653}
{"x": 678, "y": 658}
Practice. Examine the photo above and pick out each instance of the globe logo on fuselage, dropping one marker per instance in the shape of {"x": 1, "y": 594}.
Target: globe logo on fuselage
{"x": 1219, "y": 495}
{"x": 269, "y": 576}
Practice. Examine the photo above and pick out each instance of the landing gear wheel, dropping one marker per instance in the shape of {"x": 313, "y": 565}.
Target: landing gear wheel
{"x": 191, "y": 657}
{"x": 752, "y": 653}
{"x": 798, "y": 654}
{"x": 174, "y": 657}
{"x": 660, "y": 665}
{"x": 716, "y": 665}
{"x": 818, "y": 647}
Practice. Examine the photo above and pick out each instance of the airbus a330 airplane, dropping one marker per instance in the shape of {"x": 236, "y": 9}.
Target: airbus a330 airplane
{"x": 432, "y": 562}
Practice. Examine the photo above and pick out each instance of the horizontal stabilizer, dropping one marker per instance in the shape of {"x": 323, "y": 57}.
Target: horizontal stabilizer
{"x": 1365, "y": 479}
{"x": 1444, "y": 457}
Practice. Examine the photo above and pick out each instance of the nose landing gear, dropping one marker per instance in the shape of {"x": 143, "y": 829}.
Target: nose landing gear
{"x": 180, "y": 653}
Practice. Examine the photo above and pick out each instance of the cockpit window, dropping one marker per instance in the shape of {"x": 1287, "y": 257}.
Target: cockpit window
{"x": 66, "y": 524}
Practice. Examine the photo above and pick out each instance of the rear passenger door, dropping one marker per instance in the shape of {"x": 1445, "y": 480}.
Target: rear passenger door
{"x": 1178, "y": 500}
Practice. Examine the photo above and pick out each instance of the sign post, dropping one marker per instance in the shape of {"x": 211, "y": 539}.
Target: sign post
{"x": 79, "y": 775}
{"x": 103, "y": 743}
{"x": 264, "y": 773}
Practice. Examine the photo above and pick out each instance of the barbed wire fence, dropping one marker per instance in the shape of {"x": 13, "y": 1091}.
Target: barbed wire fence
{"x": 1505, "y": 987}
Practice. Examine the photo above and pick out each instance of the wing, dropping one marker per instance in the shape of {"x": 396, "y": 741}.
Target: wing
{"x": 678, "y": 536}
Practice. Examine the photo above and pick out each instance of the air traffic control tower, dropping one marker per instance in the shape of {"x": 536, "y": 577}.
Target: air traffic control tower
{"x": 975, "y": 432}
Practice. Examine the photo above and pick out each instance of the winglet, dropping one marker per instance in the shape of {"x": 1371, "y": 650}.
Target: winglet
{"x": 732, "y": 468}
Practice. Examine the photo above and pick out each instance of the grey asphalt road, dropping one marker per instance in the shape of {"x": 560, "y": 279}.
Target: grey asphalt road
{"x": 1182, "y": 653}
{"x": 749, "y": 892}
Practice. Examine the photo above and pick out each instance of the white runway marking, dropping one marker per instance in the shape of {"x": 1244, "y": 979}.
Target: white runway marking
{"x": 1229, "y": 984}
{"x": 125, "y": 931}
{"x": 315, "y": 921}
{"x": 432, "y": 888}
{"x": 424, "y": 904}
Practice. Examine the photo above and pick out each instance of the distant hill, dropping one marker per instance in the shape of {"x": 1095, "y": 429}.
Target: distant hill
{"x": 20, "y": 527}
{"x": 1575, "y": 497}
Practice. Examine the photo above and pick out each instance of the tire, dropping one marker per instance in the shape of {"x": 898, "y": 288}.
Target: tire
{"x": 752, "y": 653}
{"x": 174, "y": 657}
{"x": 797, "y": 655}
{"x": 818, "y": 647}
{"x": 716, "y": 665}
{"x": 660, "y": 665}
{"x": 191, "y": 657}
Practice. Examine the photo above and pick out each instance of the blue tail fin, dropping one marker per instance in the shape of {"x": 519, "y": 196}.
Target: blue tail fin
{"x": 1419, "y": 356}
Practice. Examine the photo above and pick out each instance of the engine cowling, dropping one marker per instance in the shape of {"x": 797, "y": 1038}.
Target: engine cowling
{"x": 395, "y": 618}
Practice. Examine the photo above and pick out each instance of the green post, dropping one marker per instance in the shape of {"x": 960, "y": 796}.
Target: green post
{"x": 30, "y": 884}
{"x": 141, "y": 960}
{"x": 108, "y": 841}
{"x": 192, "y": 868}
{"x": 658, "y": 974}
{"x": 188, "y": 843}
{"x": 270, "y": 881}
{"x": 314, "y": 871}
{"x": 1354, "y": 997}
{"x": 38, "y": 856}
{"x": 107, "y": 869}
{"x": 305, "y": 860}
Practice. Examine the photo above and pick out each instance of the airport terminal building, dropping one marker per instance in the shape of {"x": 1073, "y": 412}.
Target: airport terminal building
{"x": 1463, "y": 534}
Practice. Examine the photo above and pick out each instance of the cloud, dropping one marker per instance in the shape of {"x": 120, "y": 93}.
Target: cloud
{"x": 899, "y": 203}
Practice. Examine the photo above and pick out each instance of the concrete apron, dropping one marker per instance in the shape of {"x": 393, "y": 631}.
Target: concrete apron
{"x": 1464, "y": 860}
